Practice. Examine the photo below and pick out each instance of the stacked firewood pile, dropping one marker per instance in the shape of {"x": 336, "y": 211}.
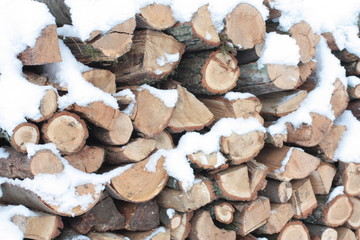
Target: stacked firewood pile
{"x": 260, "y": 186}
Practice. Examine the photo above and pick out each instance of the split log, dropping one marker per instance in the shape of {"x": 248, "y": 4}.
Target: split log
{"x": 354, "y": 220}
{"x": 350, "y": 177}
{"x": 242, "y": 148}
{"x": 106, "y": 47}
{"x": 287, "y": 163}
{"x": 199, "y": 232}
{"x": 160, "y": 233}
{"x": 156, "y": 17}
{"x": 105, "y": 236}
{"x": 35, "y": 78}
{"x": 330, "y": 40}
{"x": 345, "y": 234}
{"x": 101, "y": 218}
{"x": 339, "y": 98}
{"x": 279, "y": 104}
{"x": 46, "y": 49}
{"x": 307, "y": 70}
{"x": 250, "y": 215}
{"x": 48, "y": 105}
{"x": 244, "y": 27}
{"x": 179, "y": 224}
{"x": 303, "y": 198}
{"x": 249, "y": 55}
{"x": 318, "y": 232}
{"x": 353, "y": 68}
{"x": 292, "y": 229}
{"x": 257, "y": 174}
{"x": 277, "y": 191}
{"x": 164, "y": 141}
{"x": 210, "y": 162}
{"x": 22, "y": 134}
{"x": 199, "y": 33}
{"x": 129, "y": 185}
{"x": 41, "y": 227}
{"x": 101, "y": 78}
{"x": 222, "y": 212}
{"x": 200, "y": 194}
{"x": 89, "y": 159}
{"x": 208, "y": 72}
{"x": 139, "y": 216}
{"x": 18, "y": 165}
{"x": 321, "y": 179}
{"x": 134, "y": 151}
{"x": 153, "y": 55}
{"x": 67, "y": 131}
{"x": 280, "y": 214}
{"x": 354, "y": 107}
{"x": 271, "y": 78}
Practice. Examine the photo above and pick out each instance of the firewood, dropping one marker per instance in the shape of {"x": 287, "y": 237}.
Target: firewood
{"x": 199, "y": 33}
{"x": 330, "y": 40}
{"x": 103, "y": 47}
{"x": 354, "y": 91}
{"x": 277, "y": 139}
{"x": 163, "y": 140}
{"x": 48, "y": 105}
{"x": 160, "y": 233}
{"x": 223, "y": 107}
{"x": 22, "y": 134}
{"x": 273, "y": 13}
{"x": 280, "y": 214}
{"x": 290, "y": 230}
{"x": 279, "y": 104}
{"x": 257, "y": 174}
{"x": 208, "y": 72}
{"x": 350, "y": 177}
{"x": 89, "y": 159}
{"x": 339, "y": 99}
{"x": 179, "y": 224}
{"x": 318, "y": 232}
{"x": 287, "y": 163}
{"x": 354, "y": 220}
{"x": 67, "y": 131}
{"x": 101, "y": 78}
{"x": 18, "y": 165}
{"x": 345, "y": 234}
{"x": 155, "y": 16}
{"x": 345, "y": 56}
{"x": 249, "y": 55}
{"x": 353, "y": 68}
{"x": 101, "y": 218}
{"x": 354, "y": 107}
{"x": 69, "y": 233}
{"x": 321, "y": 179}
{"x": 105, "y": 236}
{"x": 153, "y": 55}
{"x": 277, "y": 191}
{"x": 200, "y": 194}
{"x": 134, "y": 151}
{"x": 247, "y": 237}
{"x": 35, "y": 78}
{"x": 242, "y": 148}
{"x": 42, "y": 227}
{"x": 271, "y": 78}
{"x": 211, "y": 231}
{"x": 307, "y": 70}
{"x": 357, "y": 233}
{"x": 209, "y": 162}
{"x": 303, "y": 198}
{"x": 129, "y": 185}
{"x": 222, "y": 212}
{"x": 46, "y": 49}
{"x": 250, "y": 215}
{"x": 244, "y": 27}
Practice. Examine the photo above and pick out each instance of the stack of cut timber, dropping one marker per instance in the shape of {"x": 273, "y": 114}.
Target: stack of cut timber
{"x": 276, "y": 187}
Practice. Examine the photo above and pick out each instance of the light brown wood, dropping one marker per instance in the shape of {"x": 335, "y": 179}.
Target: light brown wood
{"x": 287, "y": 163}
{"x": 307, "y": 70}
{"x": 199, "y": 232}
{"x": 330, "y": 40}
{"x": 303, "y": 198}
{"x": 244, "y": 27}
{"x": 354, "y": 91}
{"x": 46, "y": 49}
{"x": 22, "y": 134}
{"x": 69, "y": 233}
{"x": 350, "y": 177}
{"x": 160, "y": 233}
{"x": 354, "y": 220}
{"x": 129, "y": 185}
{"x": 152, "y": 56}
{"x": 345, "y": 234}
{"x": 277, "y": 191}
{"x": 321, "y": 179}
{"x": 213, "y": 161}
{"x": 106, "y": 236}
{"x": 318, "y": 232}
{"x": 222, "y": 212}
{"x": 339, "y": 99}
{"x": 48, "y": 105}
{"x": 42, "y": 227}
{"x": 89, "y": 159}
{"x": 179, "y": 224}
{"x": 292, "y": 229}
{"x": 257, "y": 174}
{"x": 67, "y": 131}
{"x": 357, "y": 233}
{"x": 155, "y": 16}
{"x": 163, "y": 140}
{"x": 101, "y": 78}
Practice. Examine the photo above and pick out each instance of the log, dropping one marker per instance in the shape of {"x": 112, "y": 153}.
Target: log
{"x": 354, "y": 107}
{"x": 163, "y": 141}
{"x": 179, "y": 224}
{"x": 101, "y": 218}
{"x": 357, "y": 233}
{"x": 242, "y": 148}
{"x": 353, "y": 68}
{"x": 345, "y": 56}
{"x": 249, "y": 55}
{"x": 303, "y": 198}
{"x": 129, "y": 185}
{"x": 354, "y": 220}
{"x": 244, "y": 27}
{"x": 318, "y": 232}
{"x": 339, "y": 99}
{"x": 155, "y": 17}
{"x": 153, "y": 56}
{"x": 211, "y": 231}
{"x": 345, "y": 234}
{"x": 35, "y": 78}
{"x": 101, "y": 78}
{"x": 330, "y": 40}
{"x": 89, "y": 159}
{"x": 134, "y": 151}
{"x": 200, "y": 194}
{"x": 208, "y": 72}
{"x": 222, "y": 212}
{"x": 46, "y": 49}
{"x": 322, "y": 178}
{"x": 208, "y": 162}
{"x": 59, "y": 10}
{"x": 271, "y": 78}
{"x": 257, "y": 174}
{"x": 307, "y": 70}
{"x": 350, "y": 177}
{"x": 287, "y": 163}
{"x": 280, "y": 214}
{"x": 105, "y": 236}
{"x": 48, "y": 105}
{"x": 67, "y": 131}
{"x": 69, "y": 233}
{"x": 160, "y": 233}
{"x": 19, "y": 165}
{"x": 199, "y": 33}
{"x": 295, "y": 228}
{"x": 273, "y": 13}
{"x": 106, "y": 47}
{"x": 42, "y": 227}
{"x": 277, "y": 191}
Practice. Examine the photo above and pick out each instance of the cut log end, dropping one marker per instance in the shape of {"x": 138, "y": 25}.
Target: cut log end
{"x": 224, "y": 212}
{"x": 155, "y": 16}
{"x": 23, "y": 134}
{"x": 338, "y": 211}
{"x": 292, "y": 229}
{"x": 48, "y": 105}
{"x": 45, "y": 161}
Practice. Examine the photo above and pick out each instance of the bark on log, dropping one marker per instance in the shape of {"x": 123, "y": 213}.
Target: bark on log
{"x": 353, "y": 68}
{"x": 273, "y": 13}
{"x": 89, "y": 159}
{"x": 345, "y": 56}
{"x": 249, "y": 55}
{"x": 156, "y": 17}
{"x": 101, "y": 78}
{"x": 59, "y": 10}
{"x": 179, "y": 224}
{"x": 318, "y": 232}
{"x": 330, "y": 40}
{"x": 354, "y": 91}
{"x": 277, "y": 191}
{"x": 354, "y": 107}
{"x": 208, "y": 72}
{"x": 321, "y": 179}
{"x": 303, "y": 198}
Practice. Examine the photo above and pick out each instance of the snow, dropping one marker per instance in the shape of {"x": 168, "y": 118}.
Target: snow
{"x": 3, "y": 153}
{"x": 170, "y": 213}
{"x": 335, "y": 192}
{"x": 8, "y": 230}
{"x": 79, "y": 237}
{"x": 353, "y": 81}
{"x": 279, "y": 49}
{"x": 33, "y": 148}
{"x": 128, "y": 94}
{"x": 262, "y": 238}
{"x": 233, "y": 96}
{"x": 286, "y": 160}
{"x": 208, "y": 36}
{"x": 168, "y": 97}
{"x": 167, "y": 58}
{"x": 156, "y": 232}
